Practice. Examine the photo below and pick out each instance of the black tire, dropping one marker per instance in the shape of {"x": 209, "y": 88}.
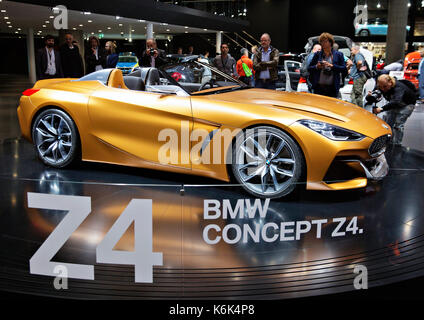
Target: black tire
{"x": 276, "y": 163}
{"x": 364, "y": 33}
{"x": 53, "y": 126}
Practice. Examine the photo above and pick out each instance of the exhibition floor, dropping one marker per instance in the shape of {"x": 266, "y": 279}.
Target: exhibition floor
{"x": 380, "y": 227}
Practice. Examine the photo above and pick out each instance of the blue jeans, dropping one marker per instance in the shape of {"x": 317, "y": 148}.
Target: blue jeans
{"x": 265, "y": 84}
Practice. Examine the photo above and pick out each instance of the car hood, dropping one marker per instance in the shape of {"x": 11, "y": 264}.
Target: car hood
{"x": 347, "y": 114}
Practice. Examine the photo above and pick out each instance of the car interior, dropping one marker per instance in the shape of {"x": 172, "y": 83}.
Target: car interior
{"x": 151, "y": 79}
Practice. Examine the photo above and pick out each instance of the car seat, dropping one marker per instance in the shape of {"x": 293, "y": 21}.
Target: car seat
{"x": 134, "y": 83}
{"x": 153, "y": 77}
{"x": 116, "y": 80}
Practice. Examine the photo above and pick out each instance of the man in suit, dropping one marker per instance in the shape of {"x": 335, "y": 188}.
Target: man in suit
{"x": 47, "y": 61}
{"x": 152, "y": 56}
{"x": 72, "y": 65}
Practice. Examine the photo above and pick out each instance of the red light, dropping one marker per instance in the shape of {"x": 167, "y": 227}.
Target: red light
{"x": 302, "y": 80}
{"x": 30, "y": 92}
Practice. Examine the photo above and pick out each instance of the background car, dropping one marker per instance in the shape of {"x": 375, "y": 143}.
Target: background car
{"x": 373, "y": 27}
{"x": 127, "y": 62}
{"x": 289, "y": 64}
{"x": 411, "y": 63}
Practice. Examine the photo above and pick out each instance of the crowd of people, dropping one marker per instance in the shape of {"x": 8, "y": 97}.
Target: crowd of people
{"x": 325, "y": 69}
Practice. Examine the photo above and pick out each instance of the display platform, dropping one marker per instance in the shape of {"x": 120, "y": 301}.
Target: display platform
{"x": 208, "y": 239}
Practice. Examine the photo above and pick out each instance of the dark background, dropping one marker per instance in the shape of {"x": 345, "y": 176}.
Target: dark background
{"x": 289, "y": 22}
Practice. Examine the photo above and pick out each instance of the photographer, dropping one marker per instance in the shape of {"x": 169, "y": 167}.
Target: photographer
{"x": 152, "y": 56}
{"x": 402, "y": 98}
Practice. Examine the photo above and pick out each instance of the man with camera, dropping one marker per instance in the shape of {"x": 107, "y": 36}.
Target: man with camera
{"x": 152, "y": 56}
{"x": 401, "y": 97}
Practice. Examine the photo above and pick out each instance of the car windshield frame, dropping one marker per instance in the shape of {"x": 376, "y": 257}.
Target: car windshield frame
{"x": 99, "y": 75}
{"x": 231, "y": 87}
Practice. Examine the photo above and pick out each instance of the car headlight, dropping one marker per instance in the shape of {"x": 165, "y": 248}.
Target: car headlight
{"x": 332, "y": 132}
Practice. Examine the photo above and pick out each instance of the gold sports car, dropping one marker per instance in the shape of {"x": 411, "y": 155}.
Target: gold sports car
{"x": 279, "y": 139}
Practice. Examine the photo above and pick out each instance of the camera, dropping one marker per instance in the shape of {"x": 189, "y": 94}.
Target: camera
{"x": 375, "y": 96}
{"x": 152, "y": 51}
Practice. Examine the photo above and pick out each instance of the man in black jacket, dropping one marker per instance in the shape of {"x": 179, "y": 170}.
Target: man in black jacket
{"x": 71, "y": 59}
{"x": 152, "y": 56}
{"x": 95, "y": 56}
{"x": 47, "y": 61}
{"x": 401, "y": 104}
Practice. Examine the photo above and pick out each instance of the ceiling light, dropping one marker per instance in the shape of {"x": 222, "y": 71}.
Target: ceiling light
{"x": 186, "y": 27}
{"x": 6, "y": 18}
{"x": 10, "y": 26}
{"x": 100, "y": 30}
{"x": 47, "y": 21}
{"x": 185, "y": 31}
{"x": 120, "y": 24}
{"x": 51, "y": 17}
{"x": 86, "y": 12}
{"x": 92, "y": 33}
{"x": 80, "y": 25}
{"x": 117, "y": 17}
{"x": 19, "y": 29}
{"x": 74, "y": 28}
{"x": 205, "y": 29}
{"x": 44, "y": 25}
{"x": 109, "y": 28}
{"x": 3, "y": 11}
{"x": 90, "y": 21}
{"x": 141, "y": 20}
{"x": 132, "y": 30}
{"x": 8, "y": 22}
{"x": 168, "y": 30}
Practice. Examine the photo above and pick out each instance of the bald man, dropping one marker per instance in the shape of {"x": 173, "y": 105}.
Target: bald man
{"x": 265, "y": 63}
{"x": 152, "y": 56}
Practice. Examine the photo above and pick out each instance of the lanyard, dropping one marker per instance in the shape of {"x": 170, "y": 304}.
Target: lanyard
{"x": 50, "y": 57}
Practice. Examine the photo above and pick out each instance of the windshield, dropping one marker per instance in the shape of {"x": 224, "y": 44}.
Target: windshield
{"x": 201, "y": 78}
{"x": 101, "y": 75}
{"x": 127, "y": 59}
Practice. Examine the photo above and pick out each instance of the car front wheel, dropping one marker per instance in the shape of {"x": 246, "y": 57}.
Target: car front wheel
{"x": 267, "y": 162}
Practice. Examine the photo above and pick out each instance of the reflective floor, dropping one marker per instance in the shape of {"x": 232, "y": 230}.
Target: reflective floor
{"x": 383, "y": 231}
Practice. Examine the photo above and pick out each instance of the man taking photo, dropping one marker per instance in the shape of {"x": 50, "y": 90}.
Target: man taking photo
{"x": 402, "y": 98}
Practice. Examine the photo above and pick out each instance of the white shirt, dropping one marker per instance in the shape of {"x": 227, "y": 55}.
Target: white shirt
{"x": 99, "y": 66}
{"x": 51, "y": 62}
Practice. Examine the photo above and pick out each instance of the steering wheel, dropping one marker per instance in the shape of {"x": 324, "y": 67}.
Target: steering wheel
{"x": 203, "y": 86}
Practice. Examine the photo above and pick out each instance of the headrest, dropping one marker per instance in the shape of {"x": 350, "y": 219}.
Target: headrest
{"x": 153, "y": 77}
{"x": 134, "y": 83}
{"x": 116, "y": 80}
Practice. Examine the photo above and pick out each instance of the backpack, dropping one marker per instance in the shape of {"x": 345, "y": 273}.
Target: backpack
{"x": 304, "y": 73}
{"x": 411, "y": 87}
{"x": 366, "y": 70}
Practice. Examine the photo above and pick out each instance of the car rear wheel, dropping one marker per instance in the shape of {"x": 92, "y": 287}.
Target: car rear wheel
{"x": 55, "y": 138}
{"x": 267, "y": 162}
